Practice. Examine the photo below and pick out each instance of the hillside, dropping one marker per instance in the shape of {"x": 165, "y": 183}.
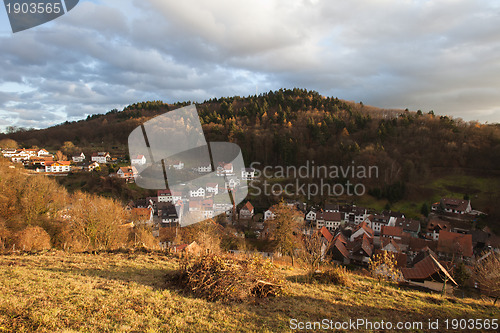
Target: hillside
{"x": 62, "y": 292}
{"x": 413, "y": 150}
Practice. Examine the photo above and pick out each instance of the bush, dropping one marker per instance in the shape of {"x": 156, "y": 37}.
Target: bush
{"x": 33, "y": 239}
{"x": 221, "y": 278}
{"x": 336, "y": 275}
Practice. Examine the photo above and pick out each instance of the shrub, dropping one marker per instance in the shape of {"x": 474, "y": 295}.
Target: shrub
{"x": 33, "y": 239}
{"x": 226, "y": 279}
{"x": 336, "y": 275}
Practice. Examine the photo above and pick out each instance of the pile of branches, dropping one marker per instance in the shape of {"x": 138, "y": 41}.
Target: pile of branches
{"x": 226, "y": 279}
{"x": 337, "y": 275}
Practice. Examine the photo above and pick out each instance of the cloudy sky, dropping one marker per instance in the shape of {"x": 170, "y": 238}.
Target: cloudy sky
{"x": 440, "y": 55}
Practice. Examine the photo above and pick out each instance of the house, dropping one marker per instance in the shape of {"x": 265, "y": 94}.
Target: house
{"x": 101, "y": 157}
{"x": 354, "y": 215}
{"x": 390, "y": 245}
{"x": 138, "y": 160}
{"x": 452, "y": 206}
{"x": 330, "y": 220}
{"x": 197, "y": 193}
{"x": 58, "y": 166}
{"x": 338, "y": 251}
{"x": 177, "y": 165}
{"x": 435, "y": 226}
{"x": 168, "y": 215}
{"x": 141, "y": 215}
{"x": 377, "y": 221}
{"x": 391, "y": 232}
{"x": 212, "y": 188}
{"x": 127, "y": 173}
{"x": 429, "y": 273}
{"x": 311, "y": 216}
{"x": 43, "y": 153}
{"x": 362, "y": 249}
{"x": 164, "y": 196}
{"x": 232, "y": 183}
{"x": 78, "y": 158}
{"x": 92, "y": 166}
{"x": 409, "y": 226}
{"x": 247, "y": 211}
{"x": 202, "y": 206}
{"x": 225, "y": 169}
{"x": 326, "y": 236}
{"x": 331, "y": 208}
{"x": 204, "y": 168}
{"x": 451, "y": 244}
{"x": 270, "y": 213}
{"x": 362, "y": 229}
{"x": 247, "y": 173}
{"x": 40, "y": 160}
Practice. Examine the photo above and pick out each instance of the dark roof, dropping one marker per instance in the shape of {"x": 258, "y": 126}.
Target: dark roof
{"x": 330, "y": 206}
{"x": 424, "y": 269}
{"x": 329, "y": 216}
{"x": 417, "y": 244}
{"x": 408, "y": 225}
{"x": 452, "y": 242}
{"x": 248, "y": 206}
{"x": 457, "y": 204}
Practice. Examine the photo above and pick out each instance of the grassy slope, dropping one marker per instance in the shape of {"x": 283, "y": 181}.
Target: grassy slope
{"x": 126, "y": 293}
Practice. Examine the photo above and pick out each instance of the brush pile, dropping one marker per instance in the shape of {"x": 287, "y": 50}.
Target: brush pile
{"x": 337, "y": 275}
{"x": 226, "y": 279}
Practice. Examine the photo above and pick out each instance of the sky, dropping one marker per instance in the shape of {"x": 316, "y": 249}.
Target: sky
{"x": 428, "y": 55}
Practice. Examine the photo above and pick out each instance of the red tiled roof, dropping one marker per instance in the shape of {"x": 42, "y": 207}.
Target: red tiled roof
{"x": 458, "y": 204}
{"x": 391, "y": 231}
{"x": 248, "y": 206}
{"x": 341, "y": 247}
{"x": 453, "y": 242}
{"x": 324, "y": 231}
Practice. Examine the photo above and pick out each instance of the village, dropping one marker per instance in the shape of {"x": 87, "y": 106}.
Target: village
{"x": 350, "y": 235}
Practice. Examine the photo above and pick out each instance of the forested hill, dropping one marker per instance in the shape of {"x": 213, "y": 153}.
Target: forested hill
{"x": 288, "y": 127}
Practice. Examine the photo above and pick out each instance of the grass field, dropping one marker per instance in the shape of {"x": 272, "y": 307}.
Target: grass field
{"x": 60, "y": 292}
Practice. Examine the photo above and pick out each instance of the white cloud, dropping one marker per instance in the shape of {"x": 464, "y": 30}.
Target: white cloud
{"x": 388, "y": 53}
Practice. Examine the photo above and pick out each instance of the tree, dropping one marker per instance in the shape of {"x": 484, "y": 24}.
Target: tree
{"x": 68, "y": 148}
{"x": 487, "y": 274}
{"x": 8, "y": 143}
{"x": 60, "y": 156}
{"x": 383, "y": 266}
{"x": 285, "y": 230}
{"x": 424, "y": 210}
{"x": 312, "y": 252}
{"x": 97, "y": 222}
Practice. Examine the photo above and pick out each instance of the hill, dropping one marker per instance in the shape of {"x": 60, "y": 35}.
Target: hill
{"x": 413, "y": 150}
{"x": 62, "y": 292}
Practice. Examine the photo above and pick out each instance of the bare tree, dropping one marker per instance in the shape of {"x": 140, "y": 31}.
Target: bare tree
{"x": 312, "y": 252}
{"x": 487, "y": 274}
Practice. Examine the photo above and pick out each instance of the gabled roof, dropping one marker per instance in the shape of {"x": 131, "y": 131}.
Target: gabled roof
{"x": 363, "y": 243}
{"x": 452, "y": 242}
{"x": 340, "y": 237}
{"x": 366, "y": 228}
{"x": 425, "y": 268}
{"x": 417, "y": 244}
{"x": 329, "y": 216}
{"x": 438, "y": 225}
{"x": 457, "y": 204}
{"x": 325, "y": 233}
{"x": 248, "y": 206}
{"x": 387, "y": 241}
{"x": 341, "y": 248}
{"x": 408, "y": 225}
{"x": 391, "y": 231}
{"x": 50, "y": 163}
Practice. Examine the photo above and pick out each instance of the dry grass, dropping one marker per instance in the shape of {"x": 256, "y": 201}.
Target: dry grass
{"x": 61, "y": 292}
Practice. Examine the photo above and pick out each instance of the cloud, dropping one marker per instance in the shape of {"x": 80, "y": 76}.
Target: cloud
{"x": 388, "y": 53}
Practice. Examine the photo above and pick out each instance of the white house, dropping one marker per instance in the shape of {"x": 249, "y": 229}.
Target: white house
{"x": 311, "y": 216}
{"x": 101, "y": 157}
{"x": 198, "y": 193}
{"x": 270, "y": 214}
{"x": 127, "y": 172}
{"x": 78, "y": 158}
{"x": 247, "y": 173}
{"x": 92, "y": 166}
{"x": 138, "y": 160}
{"x": 225, "y": 169}
{"x": 42, "y": 152}
{"x": 204, "y": 168}
{"x": 178, "y": 165}
{"x": 212, "y": 188}
{"x": 57, "y": 166}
